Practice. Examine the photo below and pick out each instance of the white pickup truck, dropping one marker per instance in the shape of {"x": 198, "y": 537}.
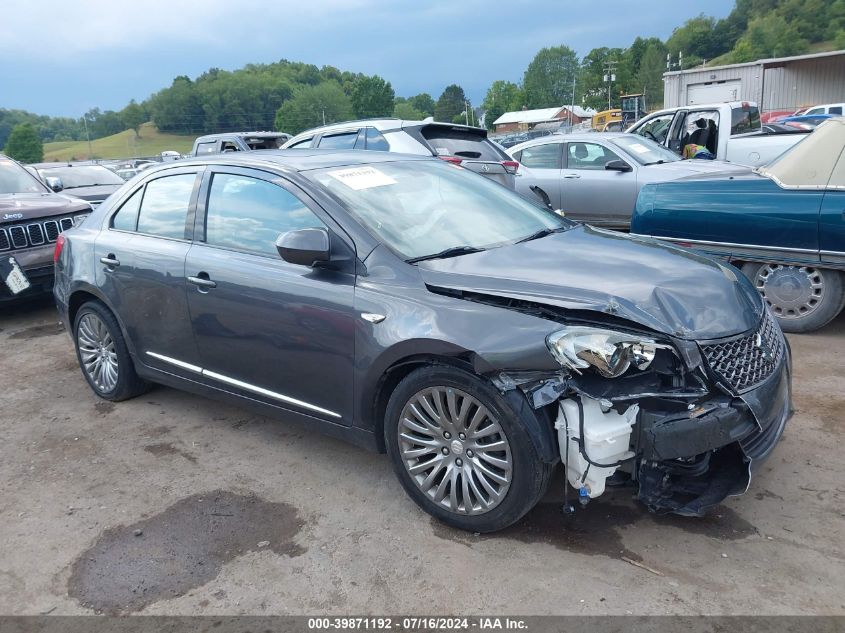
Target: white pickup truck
{"x": 729, "y": 131}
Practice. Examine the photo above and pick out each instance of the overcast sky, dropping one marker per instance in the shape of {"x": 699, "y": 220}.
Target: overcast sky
{"x": 65, "y": 57}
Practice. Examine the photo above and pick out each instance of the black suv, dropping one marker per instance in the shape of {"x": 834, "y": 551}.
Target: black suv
{"x": 31, "y": 218}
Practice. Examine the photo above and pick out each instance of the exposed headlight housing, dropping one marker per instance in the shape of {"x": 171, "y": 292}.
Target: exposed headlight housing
{"x": 610, "y": 353}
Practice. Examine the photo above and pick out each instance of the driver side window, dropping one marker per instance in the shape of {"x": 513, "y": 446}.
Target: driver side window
{"x": 248, "y": 214}
{"x": 657, "y": 129}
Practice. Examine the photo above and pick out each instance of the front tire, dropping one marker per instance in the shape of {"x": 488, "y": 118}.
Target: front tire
{"x": 461, "y": 452}
{"x": 103, "y": 355}
{"x": 802, "y": 298}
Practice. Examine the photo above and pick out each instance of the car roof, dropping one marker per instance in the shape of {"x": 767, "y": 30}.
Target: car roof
{"x": 587, "y": 137}
{"x": 262, "y": 134}
{"x": 294, "y": 159}
{"x": 382, "y": 124}
{"x": 66, "y": 164}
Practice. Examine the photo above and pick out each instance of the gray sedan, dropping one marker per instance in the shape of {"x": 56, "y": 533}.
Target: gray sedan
{"x": 595, "y": 178}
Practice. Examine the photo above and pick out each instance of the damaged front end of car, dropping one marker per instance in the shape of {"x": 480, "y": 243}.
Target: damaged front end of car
{"x": 684, "y": 421}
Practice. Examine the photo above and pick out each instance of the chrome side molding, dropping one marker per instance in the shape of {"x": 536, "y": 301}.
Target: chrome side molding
{"x": 242, "y": 385}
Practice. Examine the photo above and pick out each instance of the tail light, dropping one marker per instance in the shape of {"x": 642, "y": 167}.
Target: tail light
{"x": 57, "y": 252}
{"x": 511, "y": 166}
{"x": 451, "y": 159}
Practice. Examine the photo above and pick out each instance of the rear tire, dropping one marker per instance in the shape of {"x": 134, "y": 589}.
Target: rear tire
{"x": 103, "y": 356}
{"x": 461, "y": 452}
{"x": 802, "y": 298}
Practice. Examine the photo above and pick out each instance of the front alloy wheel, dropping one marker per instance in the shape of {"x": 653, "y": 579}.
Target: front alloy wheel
{"x": 463, "y": 451}
{"x": 455, "y": 450}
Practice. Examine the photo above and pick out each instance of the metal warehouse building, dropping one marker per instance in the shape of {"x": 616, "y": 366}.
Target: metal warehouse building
{"x": 785, "y": 83}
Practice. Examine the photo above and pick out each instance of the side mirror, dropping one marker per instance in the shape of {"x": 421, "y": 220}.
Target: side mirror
{"x": 55, "y": 183}
{"x": 305, "y": 247}
{"x": 617, "y": 165}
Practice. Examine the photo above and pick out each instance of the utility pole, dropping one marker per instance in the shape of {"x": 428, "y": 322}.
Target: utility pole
{"x": 609, "y": 77}
{"x": 87, "y": 135}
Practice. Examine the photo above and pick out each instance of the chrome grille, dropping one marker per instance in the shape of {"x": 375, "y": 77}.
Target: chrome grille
{"x": 18, "y": 236}
{"x": 52, "y": 230}
{"x": 36, "y": 234}
{"x": 33, "y": 234}
{"x": 744, "y": 361}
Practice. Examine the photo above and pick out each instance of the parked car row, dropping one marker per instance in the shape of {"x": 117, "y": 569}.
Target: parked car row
{"x": 367, "y": 282}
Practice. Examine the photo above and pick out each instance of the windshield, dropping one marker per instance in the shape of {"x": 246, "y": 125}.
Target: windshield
{"x": 644, "y": 150}
{"x": 420, "y": 208}
{"x": 16, "y": 179}
{"x": 815, "y": 162}
{"x": 82, "y": 176}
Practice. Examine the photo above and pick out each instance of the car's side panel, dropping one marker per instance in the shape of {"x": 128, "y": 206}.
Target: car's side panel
{"x": 832, "y": 228}
{"x": 753, "y": 211}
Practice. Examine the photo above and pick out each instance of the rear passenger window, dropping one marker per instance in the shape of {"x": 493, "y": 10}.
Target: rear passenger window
{"x": 303, "y": 143}
{"x": 164, "y": 208}
{"x": 449, "y": 142}
{"x": 339, "y": 141}
{"x": 249, "y": 214}
{"x": 205, "y": 148}
{"x": 545, "y": 156}
{"x": 375, "y": 141}
{"x": 835, "y": 110}
{"x": 126, "y": 218}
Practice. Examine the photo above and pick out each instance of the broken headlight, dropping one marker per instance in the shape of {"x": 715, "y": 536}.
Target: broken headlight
{"x": 610, "y": 353}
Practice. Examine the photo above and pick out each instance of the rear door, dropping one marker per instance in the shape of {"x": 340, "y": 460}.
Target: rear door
{"x": 268, "y": 330}
{"x": 470, "y": 148}
{"x": 590, "y": 193}
{"x": 141, "y": 268}
{"x": 542, "y": 169}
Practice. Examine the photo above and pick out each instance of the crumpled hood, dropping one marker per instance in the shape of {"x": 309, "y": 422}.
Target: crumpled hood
{"x": 664, "y": 288}
{"x": 17, "y": 207}
{"x": 684, "y": 168}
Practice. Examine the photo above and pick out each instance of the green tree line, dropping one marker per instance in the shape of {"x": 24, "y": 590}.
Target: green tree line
{"x": 294, "y": 96}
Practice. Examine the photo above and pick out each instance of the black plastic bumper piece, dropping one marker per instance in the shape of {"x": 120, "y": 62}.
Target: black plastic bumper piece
{"x": 691, "y": 489}
{"x": 691, "y": 434}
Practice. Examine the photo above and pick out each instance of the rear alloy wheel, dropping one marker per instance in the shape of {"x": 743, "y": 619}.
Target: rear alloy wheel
{"x": 461, "y": 452}
{"x": 103, "y": 356}
{"x": 803, "y": 298}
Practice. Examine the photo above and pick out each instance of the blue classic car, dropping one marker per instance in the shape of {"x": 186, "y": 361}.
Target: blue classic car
{"x": 782, "y": 224}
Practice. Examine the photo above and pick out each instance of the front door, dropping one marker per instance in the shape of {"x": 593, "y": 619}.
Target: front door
{"x": 267, "y": 330}
{"x": 832, "y": 218}
{"x": 590, "y": 193}
{"x": 141, "y": 269}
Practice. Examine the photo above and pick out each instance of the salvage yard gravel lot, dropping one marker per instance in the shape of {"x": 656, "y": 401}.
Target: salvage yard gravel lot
{"x": 174, "y": 504}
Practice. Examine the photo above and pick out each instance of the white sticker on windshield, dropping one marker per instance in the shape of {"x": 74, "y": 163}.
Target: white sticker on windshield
{"x": 358, "y": 178}
{"x": 442, "y": 151}
{"x": 639, "y": 148}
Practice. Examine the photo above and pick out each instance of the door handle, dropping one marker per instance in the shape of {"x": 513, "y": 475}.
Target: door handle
{"x": 110, "y": 260}
{"x": 202, "y": 282}
{"x": 571, "y": 176}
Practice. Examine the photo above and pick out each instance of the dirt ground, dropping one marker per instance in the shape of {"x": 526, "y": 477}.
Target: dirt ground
{"x": 173, "y": 504}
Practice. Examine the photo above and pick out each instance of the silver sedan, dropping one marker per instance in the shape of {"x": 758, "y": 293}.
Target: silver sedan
{"x": 596, "y": 177}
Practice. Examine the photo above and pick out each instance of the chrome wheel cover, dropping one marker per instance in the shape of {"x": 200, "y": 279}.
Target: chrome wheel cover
{"x": 792, "y": 292}
{"x": 455, "y": 450}
{"x": 97, "y": 352}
